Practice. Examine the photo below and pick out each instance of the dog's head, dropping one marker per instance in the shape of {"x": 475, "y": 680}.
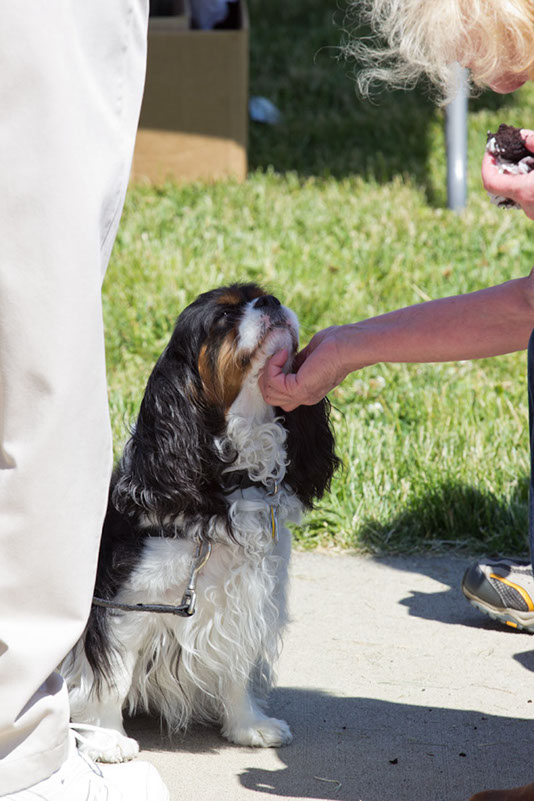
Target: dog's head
{"x": 226, "y": 335}
{"x": 208, "y": 372}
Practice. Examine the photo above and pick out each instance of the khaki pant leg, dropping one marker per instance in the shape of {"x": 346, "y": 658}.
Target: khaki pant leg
{"x": 71, "y": 77}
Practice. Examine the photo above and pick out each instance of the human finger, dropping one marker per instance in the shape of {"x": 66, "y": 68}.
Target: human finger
{"x": 502, "y": 183}
{"x": 275, "y": 385}
{"x": 516, "y": 187}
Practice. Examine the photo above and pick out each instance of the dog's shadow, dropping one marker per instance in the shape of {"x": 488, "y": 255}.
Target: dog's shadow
{"x": 363, "y": 748}
{"x": 153, "y": 736}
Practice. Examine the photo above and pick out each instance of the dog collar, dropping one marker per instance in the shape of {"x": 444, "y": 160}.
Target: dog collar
{"x": 240, "y": 480}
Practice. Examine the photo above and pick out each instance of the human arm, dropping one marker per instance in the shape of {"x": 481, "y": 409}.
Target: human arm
{"x": 517, "y": 187}
{"x": 489, "y": 322}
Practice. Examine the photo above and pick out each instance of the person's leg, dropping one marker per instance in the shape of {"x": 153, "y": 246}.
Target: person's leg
{"x": 71, "y": 76}
{"x": 504, "y": 588}
{"x": 521, "y": 579}
{"x": 530, "y": 379}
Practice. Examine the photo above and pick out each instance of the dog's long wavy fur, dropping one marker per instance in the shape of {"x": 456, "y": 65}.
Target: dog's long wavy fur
{"x": 174, "y": 487}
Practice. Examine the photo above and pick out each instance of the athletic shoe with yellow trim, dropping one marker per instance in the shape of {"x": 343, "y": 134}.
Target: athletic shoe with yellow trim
{"x": 504, "y": 590}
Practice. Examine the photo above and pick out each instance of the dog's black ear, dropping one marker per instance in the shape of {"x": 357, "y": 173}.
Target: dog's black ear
{"x": 171, "y": 464}
{"x": 311, "y": 450}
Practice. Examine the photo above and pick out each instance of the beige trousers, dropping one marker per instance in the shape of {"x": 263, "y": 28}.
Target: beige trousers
{"x": 71, "y": 78}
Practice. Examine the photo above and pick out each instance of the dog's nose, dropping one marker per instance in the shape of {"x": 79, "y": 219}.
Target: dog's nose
{"x": 266, "y": 301}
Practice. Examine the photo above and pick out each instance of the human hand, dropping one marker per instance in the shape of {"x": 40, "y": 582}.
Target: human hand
{"x": 320, "y": 367}
{"x": 518, "y": 187}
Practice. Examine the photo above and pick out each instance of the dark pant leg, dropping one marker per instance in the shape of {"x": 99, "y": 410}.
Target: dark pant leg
{"x": 530, "y": 356}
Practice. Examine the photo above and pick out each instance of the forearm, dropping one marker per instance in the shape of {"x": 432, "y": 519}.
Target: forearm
{"x": 489, "y": 322}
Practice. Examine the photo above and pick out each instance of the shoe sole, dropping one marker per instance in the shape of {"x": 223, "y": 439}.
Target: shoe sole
{"x": 510, "y": 617}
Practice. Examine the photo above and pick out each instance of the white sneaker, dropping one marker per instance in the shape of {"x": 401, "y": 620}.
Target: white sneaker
{"x": 80, "y": 779}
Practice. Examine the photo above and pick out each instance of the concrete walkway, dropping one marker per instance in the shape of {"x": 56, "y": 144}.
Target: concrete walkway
{"x": 395, "y": 688}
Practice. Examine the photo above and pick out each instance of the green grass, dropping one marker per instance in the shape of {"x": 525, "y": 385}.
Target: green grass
{"x": 343, "y": 217}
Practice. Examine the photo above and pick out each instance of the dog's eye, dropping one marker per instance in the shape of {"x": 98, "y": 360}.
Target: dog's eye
{"x": 223, "y": 317}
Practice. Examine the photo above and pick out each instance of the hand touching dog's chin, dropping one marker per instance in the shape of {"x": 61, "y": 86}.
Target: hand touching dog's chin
{"x": 276, "y": 340}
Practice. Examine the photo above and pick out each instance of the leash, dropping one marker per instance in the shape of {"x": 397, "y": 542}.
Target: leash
{"x": 186, "y": 608}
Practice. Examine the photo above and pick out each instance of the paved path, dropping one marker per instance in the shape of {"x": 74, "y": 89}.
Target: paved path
{"x": 396, "y": 689}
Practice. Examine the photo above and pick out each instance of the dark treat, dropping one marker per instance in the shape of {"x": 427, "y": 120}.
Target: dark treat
{"x": 511, "y": 156}
{"x": 508, "y": 143}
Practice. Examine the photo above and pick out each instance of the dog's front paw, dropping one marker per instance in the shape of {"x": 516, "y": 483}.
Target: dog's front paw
{"x": 108, "y": 745}
{"x": 264, "y": 733}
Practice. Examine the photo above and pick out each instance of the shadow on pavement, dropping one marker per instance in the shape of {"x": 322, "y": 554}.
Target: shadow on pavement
{"x": 362, "y": 748}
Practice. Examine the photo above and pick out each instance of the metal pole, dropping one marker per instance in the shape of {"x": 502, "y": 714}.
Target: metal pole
{"x": 456, "y": 143}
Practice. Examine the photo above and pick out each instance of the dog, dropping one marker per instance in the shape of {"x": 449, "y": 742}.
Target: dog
{"x": 198, "y": 511}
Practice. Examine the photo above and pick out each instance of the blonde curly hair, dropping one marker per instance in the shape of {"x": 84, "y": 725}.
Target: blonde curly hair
{"x": 413, "y": 38}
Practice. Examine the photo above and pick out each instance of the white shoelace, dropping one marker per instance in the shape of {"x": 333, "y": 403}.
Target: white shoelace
{"x": 76, "y": 728}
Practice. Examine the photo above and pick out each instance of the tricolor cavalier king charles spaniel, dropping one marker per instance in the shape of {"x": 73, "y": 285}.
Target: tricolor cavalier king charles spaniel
{"x": 196, "y": 535}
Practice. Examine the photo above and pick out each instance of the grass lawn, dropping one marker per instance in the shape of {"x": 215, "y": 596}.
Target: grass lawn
{"x": 343, "y": 216}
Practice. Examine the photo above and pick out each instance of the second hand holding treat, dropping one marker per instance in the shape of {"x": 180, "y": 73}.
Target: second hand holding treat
{"x": 511, "y": 156}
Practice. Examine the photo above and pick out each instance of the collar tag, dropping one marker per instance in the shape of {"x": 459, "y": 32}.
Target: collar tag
{"x": 274, "y": 513}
